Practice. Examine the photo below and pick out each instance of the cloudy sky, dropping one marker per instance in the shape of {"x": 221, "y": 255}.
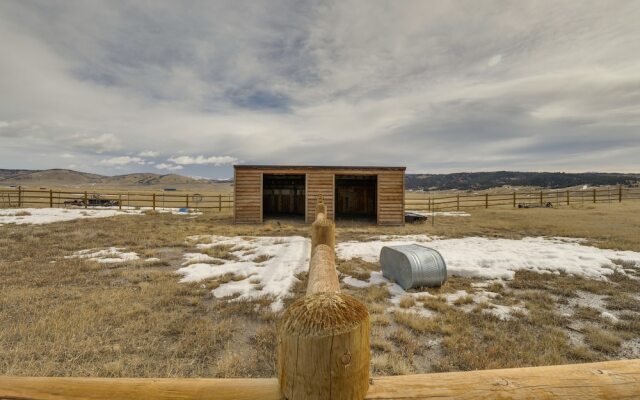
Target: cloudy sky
{"x": 194, "y": 87}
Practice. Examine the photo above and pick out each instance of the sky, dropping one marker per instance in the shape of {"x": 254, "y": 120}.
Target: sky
{"x": 193, "y": 87}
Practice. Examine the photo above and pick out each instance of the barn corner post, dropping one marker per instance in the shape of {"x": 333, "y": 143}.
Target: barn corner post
{"x": 323, "y": 337}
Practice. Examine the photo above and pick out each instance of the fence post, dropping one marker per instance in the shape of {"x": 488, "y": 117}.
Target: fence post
{"x": 594, "y": 195}
{"x": 219, "y": 203}
{"x": 323, "y": 337}
{"x": 514, "y": 199}
{"x": 541, "y": 197}
{"x": 19, "y": 196}
{"x": 86, "y": 199}
{"x": 620, "y": 194}
{"x": 568, "y": 198}
{"x": 486, "y": 200}
{"x": 120, "y": 201}
{"x": 186, "y": 197}
{"x": 154, "y": 201}
{"x": 458, "y": 202}
{"x": 50, "y": 198}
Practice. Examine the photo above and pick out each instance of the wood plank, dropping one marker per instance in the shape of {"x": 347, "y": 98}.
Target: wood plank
{"x": 603, "y": 380}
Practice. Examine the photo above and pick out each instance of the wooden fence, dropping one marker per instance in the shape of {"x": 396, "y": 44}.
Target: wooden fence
{"x": 324, "y": 353}
{"x": 34, "y": 198}
{"x": 416, "y": 201}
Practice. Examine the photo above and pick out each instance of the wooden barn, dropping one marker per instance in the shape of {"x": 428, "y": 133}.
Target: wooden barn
{"x": 373, "y": 194}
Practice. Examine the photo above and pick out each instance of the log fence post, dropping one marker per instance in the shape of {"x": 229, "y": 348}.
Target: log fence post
{"x": 514, "y": 199}
{"x": 154, "y": 201}
{"x": 458, "y": 202}
{"x": 486, "y": 200}
{"x": 619, "y": 193}
{"x": 86, "y": 200}
{"x": 568, "y": 198}
{"x": 50, "y": 198}
{"x": 220, "y": 203}
{"x": 541, "y": 194}
{"x": 323, "y": 338}
{"x": 186, "y": 200}
{"x": 19, "y": 196}
{"x": 594, "y": 195}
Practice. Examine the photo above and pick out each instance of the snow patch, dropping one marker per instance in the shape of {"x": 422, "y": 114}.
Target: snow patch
{"x": 40, "y": 216}
{"x": 442, "y": 213}
{"x": 487, "y": 258}
{"x": 273, "y": 277}
{"x": 106, "y": 256}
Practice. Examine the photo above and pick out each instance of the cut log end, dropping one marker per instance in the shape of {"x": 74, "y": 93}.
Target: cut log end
{"x": 324, "y": 348}
{"x": 323, "y": 314}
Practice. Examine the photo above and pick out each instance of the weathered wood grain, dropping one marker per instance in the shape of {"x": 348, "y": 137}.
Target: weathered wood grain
{"x": 604, "y": 380}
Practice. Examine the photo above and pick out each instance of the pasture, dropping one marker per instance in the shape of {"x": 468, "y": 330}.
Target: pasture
{"x": 161, "y": 295}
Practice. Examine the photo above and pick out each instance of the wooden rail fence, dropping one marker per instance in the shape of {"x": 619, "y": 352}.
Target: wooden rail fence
{"x": 324, "y": 353}
{"x": 416, "y": 201}
{"x": 34, "y": 198}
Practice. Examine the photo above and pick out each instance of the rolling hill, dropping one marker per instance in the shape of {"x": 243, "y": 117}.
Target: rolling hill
{"x": 460, "y": 181}
{"x": 66, "y": 178}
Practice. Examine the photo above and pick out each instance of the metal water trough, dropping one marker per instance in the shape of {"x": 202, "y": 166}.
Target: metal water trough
{"x": 413, "y": 266}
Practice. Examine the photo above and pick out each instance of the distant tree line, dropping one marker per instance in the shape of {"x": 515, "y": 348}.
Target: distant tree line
{"x": 486, "y": 180}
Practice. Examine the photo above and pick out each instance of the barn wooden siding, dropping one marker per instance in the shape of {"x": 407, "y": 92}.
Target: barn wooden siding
{"x": 319, "y": 181}
{"x": 390, "y": 198}
{"x": 247, "y": 192}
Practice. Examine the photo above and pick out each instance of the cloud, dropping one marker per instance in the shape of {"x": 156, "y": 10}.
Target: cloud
{"x": 169, "y": 167}
{"x": 122, "y": 160}
{"x": 202, "y": 160}
{"x": 495, "y": 60}
{"x": 426, "y": 85}
{"x": 97, "y": 143}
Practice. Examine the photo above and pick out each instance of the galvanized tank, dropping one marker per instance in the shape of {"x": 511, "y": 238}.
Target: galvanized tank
{"x": 413, "y": 265}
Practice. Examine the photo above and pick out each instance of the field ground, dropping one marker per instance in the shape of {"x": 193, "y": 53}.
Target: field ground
{"x": 77, "y": 317}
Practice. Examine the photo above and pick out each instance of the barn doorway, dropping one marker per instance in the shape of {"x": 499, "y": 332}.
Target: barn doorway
{"x": 283, "y": 196}
{"x": 355, "y": 197}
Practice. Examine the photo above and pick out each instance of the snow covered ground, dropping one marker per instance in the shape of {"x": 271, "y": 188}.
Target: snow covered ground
{"x": 442, "y": 213}
{"x": 473, "y": 257}
{"x": 38, "y": 216}
{"x": 265, "y": 265}
{"x": 106, "y": 256}
{"x": 487, "y": 258}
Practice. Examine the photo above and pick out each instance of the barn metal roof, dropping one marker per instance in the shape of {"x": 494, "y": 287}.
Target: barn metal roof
{"x": 325, "y": 167}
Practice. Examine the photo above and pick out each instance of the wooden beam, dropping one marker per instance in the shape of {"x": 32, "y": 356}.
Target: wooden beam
{"x": 127, "y": 389}
{"x": 322, "y": 271}
{"x": 603, "y": 380}
{"x": 323, "y": 339}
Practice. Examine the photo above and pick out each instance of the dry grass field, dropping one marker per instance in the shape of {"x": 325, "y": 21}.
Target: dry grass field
{"x": 77, "y": 317}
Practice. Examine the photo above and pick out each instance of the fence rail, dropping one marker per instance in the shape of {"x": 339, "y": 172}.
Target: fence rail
{"x": 414, "y": 201}
{"x": 556, "y": 198}
{"x": 603, "y": 380}
{"x": 21, "y": 197}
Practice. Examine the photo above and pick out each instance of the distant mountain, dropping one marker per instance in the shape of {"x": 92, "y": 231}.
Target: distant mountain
{"x": 461, "y": 181}
{"x": 486, "y": 180}
{"x": 66, "y": 177}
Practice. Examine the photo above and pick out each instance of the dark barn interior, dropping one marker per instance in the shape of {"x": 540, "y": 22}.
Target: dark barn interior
{"x": 283, "y": 195}
{"x": 355, "y": 196}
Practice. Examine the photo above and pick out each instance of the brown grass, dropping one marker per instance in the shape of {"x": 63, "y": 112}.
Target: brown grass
{"x": 602, "y": 340}
{"x": 136, "y": 320}
{"x": 126, "y": 320}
